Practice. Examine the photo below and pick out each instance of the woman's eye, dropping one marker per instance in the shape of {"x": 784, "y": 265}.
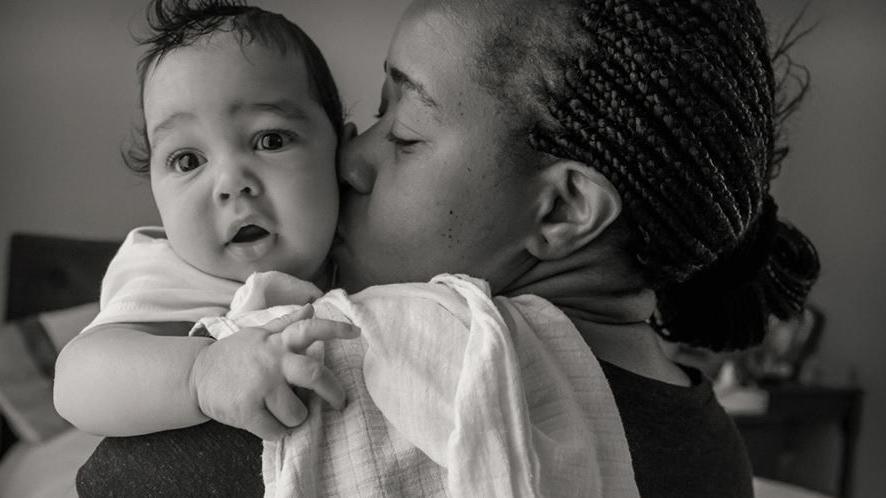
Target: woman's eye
{"x": 273, "y": 140}
{"x": 186, "y": 161}
{"x": 402, "y": 144}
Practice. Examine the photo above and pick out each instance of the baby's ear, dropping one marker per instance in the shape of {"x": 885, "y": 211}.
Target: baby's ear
{"x": 575, "y": 205}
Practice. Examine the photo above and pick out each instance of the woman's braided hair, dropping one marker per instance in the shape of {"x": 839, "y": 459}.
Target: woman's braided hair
{"x": 676, "y": 102}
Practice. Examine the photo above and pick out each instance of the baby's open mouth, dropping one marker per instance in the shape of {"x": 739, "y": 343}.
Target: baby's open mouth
{"x": 249, "y": 233}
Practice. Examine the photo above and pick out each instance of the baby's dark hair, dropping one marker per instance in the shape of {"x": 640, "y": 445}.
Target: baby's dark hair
{"x": 678, "y": 105}
{"x": 180, "y": 23}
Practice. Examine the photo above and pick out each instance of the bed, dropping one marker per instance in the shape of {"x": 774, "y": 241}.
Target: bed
{"x": 52, "y": 290}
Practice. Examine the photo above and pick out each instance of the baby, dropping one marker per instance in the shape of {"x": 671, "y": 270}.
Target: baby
{"x": 241, "y": 126}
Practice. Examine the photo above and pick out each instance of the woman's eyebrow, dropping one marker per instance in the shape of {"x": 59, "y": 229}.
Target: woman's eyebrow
{"x": 404, "y": 81}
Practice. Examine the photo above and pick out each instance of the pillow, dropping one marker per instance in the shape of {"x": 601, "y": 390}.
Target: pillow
{"x": 28, "y": 348}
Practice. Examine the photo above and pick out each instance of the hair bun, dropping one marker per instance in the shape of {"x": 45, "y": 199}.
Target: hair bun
{"x": 752, "y": 254}
{"x": 792, "y": 268}
{"x": 727, "y": 305}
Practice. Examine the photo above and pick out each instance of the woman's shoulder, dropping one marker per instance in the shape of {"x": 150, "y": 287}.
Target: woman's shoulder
{"x": 681, "y": 440}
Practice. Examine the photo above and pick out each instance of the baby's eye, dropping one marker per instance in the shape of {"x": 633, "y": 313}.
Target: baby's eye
{"x": 186, "y": 161}
{"x": 273, "y": 140}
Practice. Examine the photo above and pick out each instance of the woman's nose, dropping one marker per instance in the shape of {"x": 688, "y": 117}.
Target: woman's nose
{"x": 235, "y": 180}
{"x": 356, "y": 165}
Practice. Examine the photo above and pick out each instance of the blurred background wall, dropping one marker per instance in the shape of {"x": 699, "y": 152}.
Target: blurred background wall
{"x": 832, "y": 188}
{"x": 68, "y": 99}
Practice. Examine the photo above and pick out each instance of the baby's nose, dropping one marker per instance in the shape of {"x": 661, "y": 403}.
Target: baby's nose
{"x": 246, "y": 191}
{"x": 236, "y": 182}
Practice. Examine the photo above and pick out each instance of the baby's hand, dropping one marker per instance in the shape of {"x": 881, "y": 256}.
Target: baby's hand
{"x": 245, "y": 379}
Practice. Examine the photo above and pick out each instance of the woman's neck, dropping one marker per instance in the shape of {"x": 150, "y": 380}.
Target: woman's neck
{"x": 603, "y": 293}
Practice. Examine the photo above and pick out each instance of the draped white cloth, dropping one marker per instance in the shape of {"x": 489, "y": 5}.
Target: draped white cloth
{"x": 450, "y": 391}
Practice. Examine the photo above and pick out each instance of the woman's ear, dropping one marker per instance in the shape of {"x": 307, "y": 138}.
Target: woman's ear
{"x": 575, "y": 205}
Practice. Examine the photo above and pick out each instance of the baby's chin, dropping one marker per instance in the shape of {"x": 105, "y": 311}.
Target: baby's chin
{"x": 240, "y": 272}
{"x": 237, "y": 272}
{"x": 227, "y": 268}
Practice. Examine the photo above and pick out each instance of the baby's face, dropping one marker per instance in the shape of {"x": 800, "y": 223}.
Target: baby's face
{"x": 242, "y": 159}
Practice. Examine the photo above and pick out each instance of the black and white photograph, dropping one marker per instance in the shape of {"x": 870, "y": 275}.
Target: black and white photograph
{"x": 433, "y": 248}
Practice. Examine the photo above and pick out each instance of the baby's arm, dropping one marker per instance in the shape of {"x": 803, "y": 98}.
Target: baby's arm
{"x": 123, "y": 379}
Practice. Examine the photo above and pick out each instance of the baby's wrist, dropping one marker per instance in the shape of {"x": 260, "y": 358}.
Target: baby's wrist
{"x": 196, "y": 373}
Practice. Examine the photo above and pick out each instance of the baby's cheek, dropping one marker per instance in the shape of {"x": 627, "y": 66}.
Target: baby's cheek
{"x": 199, "y": 253}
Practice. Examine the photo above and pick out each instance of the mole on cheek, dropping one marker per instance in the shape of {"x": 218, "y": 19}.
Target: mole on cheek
{"x": 452, "y": 242}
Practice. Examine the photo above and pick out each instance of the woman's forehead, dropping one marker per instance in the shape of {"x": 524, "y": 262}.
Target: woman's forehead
{"x": 430, "y": 59}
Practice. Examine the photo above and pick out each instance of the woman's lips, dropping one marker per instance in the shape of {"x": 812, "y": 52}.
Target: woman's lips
{"x": 252, "y": 250}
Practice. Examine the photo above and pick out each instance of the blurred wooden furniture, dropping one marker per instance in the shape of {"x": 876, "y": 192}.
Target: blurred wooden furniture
{"x": 807, "y": 437}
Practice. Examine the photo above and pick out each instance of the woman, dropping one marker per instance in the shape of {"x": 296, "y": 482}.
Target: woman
{"x": 612, "y": 157}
